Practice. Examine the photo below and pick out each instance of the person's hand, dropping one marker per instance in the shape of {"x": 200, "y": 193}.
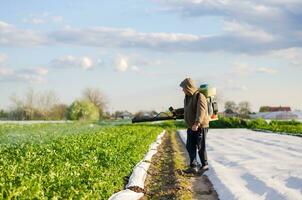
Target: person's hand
{"x": 194, "y": 127}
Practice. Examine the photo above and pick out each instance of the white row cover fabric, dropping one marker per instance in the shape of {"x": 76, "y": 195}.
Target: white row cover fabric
{"x": 149, "y": 155}
{"x": 158, "y": 141}
{"x": 139, "y": 174}
{"x": 160, "y": 135}
{"x": 154, "y": 146}
{"x": 126, "y": 195}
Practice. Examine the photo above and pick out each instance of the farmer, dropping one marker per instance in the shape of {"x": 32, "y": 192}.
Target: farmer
{"x": 195, "y": 115}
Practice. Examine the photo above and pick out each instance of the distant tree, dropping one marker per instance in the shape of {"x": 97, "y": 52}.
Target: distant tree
{"x": 83, "y": 110}
{"x": 33, "y": 106}
{"x": 95, "y": 96}
{"x": 58, "y": 112}
{"x": 264, "y": 109}
{"x": 17, "y": 112}
{"x": 117, "y": 114}
{"x": 3, "y": 114}
{"x": 106, "y": 115}
{"x": 44, "y": 102}
{"x": 244, "y": 108}
{"x": 230, "y": 105}
{"x": 139, "y": 114}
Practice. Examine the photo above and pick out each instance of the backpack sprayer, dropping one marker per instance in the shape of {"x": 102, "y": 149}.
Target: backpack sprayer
{"x": 208, "y": 92}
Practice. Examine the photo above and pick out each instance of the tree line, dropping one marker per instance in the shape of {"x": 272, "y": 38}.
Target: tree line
{"x": 47, "y": 106}
{"x": 242, "y": 109}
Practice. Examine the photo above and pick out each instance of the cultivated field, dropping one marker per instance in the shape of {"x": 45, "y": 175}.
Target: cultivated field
{"x": 88, "y": 161}
{"x": 75, "y": 160}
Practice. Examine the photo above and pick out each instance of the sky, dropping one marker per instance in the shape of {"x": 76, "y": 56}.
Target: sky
{"x": 137, "y": 52}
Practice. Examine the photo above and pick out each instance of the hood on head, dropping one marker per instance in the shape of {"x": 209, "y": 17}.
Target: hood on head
{"x": 189, "y": 85}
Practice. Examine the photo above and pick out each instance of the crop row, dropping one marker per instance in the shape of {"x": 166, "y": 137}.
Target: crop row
{"x": 288, "y": 127}
{"x": 59, "y": 161}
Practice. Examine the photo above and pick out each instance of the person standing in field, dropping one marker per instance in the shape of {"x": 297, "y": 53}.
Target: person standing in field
{"x": 196, "y": 119}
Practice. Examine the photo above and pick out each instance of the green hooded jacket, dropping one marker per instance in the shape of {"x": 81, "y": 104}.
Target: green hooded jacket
{"x": 195, "y": 106}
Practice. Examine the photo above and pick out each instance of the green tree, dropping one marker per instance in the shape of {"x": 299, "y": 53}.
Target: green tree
{"x": 3, "y": 114}
{"x": 83, "y": 110}
{"x": 264, "y": 109}
{"x": 96, "y": 96}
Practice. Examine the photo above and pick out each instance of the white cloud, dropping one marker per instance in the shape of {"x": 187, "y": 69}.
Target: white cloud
{"x": 238, "y": 37}
{"x": 12, "y": 36}
{"x": 121, "y": 64}
{"x": 69, "y": 61}
{"x": 267, "y": 70}
{"x": 86, "y": 63}
{"x": 123, "y": 38}
{"x": 274, "y": 22}
{"x": 4, "y": 71}
{"x": 34, "y": 75}
{"x": 41, "y": 71}
{"x": 291, "y": 55}
{"x": 247, "y": 31}
{"x": 126, "y": 63}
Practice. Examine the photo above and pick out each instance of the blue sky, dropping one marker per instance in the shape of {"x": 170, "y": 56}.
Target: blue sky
{"x": 137, "y": 52}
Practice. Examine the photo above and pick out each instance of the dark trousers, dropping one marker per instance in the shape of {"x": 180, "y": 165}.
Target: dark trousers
{"x": 196, "y": 140}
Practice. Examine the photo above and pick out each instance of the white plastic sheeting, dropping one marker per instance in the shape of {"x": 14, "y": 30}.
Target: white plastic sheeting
{"x": 149, "y": 155}
{"x": 245, "y": 164}
{"x": 126, "y": 195}
{"x": 139, "y": 174}
{"x": 154, "y": 146}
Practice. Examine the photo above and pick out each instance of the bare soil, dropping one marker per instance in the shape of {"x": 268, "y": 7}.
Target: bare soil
{"x": 165, "y": 179}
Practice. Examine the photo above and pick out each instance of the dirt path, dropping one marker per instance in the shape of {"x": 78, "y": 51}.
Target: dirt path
{"x": 165, "y": 179}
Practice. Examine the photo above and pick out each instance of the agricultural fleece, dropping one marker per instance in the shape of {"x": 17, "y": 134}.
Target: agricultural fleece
{"x": 195, "y": 105}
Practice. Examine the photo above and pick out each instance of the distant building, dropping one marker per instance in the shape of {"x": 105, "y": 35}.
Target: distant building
{"x": 230, "y": 113}
{"x": 274, "y": 109}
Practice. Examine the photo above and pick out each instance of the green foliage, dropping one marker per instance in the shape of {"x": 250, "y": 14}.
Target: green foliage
{"x": 286, "y": 127}
{"x": 69, "y": 161}
{"x": 228, "y": 122}
{"x": 257, "y": 124}
{"x": 264, "y": 109}
{"x": 83, "y": 110}
{"x": 3, "y": 114}
{"x": 291, "y": 127}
